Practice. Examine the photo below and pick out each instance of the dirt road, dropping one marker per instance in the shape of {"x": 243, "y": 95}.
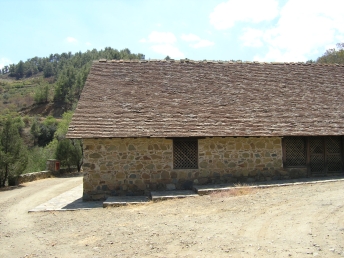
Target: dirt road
{"x": 293, "y": 221}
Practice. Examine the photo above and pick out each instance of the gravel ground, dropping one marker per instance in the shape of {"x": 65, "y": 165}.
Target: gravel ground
{"x": 292, "y": 221}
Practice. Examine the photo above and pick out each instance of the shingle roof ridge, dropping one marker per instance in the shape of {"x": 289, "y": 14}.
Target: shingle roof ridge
{"x": 213, "y": 62}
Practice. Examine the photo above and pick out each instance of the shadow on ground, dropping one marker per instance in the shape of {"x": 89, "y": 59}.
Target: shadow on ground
{"x": 80, "y": 204}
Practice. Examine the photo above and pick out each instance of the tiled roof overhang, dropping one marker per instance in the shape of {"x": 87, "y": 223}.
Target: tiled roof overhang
{"x": 187, "y": 98}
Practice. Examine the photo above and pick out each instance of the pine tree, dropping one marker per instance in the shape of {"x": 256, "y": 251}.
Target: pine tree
{"x": 13, "y": 155}
{"x": 68, "y": 151}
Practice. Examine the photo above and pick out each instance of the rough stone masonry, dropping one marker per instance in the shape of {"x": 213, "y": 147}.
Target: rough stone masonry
{"x": 136, "y": 166}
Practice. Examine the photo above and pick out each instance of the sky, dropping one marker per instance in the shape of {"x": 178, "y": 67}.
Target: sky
{"x": 248, "y": 30}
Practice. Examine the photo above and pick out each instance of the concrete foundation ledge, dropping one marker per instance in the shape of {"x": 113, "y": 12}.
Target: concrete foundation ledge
{"x": 175, "y": 194}
{"x": 116, "y": 201}
{"x": 208, "y": 189}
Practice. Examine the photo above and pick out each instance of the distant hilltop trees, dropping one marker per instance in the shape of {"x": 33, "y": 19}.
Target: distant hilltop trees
{"x": 66, "y": 72}
{"x": 54, "y": 64}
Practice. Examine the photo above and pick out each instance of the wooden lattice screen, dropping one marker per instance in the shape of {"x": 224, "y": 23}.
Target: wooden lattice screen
{"x": 333, "y": 153}
{"x": 317, "y": 157}
{"x": 295, "y": 152}
{"x": 322, "y": 154}
{"x": 185, "y": 153}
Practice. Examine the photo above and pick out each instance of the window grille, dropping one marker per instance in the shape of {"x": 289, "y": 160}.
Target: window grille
{"x": 185, "y": 153}
{"x": 334, "y": 158}
{"x": 295, "y": 154}
{"x": 317, "y": 157}
{"x": 322, "y": 154}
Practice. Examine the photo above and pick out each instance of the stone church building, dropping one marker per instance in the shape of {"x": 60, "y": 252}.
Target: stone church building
{"x": 148, "y": 124}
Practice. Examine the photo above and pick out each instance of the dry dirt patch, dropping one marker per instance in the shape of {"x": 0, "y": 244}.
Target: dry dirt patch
{"x": 293, "y": 221}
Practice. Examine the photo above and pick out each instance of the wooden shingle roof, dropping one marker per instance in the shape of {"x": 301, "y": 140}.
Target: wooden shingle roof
{"x": 187, "y": 98}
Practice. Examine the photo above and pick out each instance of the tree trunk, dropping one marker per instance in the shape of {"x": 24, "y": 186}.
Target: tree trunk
{"x": 6, "y": 174}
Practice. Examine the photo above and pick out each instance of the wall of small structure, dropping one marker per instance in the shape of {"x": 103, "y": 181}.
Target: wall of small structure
{"x": 139, "y": 165}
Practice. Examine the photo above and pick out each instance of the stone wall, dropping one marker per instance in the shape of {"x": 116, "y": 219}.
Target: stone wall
{"x": 139, "y": 165}
{"x": 29, "y": 177}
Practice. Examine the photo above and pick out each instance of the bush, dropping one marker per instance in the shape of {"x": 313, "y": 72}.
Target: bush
{"x": 26, "y": 121}
{"x": 38, "y": 157}
{"x": 43, "y": 133}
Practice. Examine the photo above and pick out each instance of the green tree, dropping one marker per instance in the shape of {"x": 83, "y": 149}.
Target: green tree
{"x": 62, "y": 128}
{"x": 48, "y": 70}
{"x": 19, "y": 70}
{"x": 333, "y": 56}
{"x": 62, "y": 153}
{"x": 19, "y": 124}
{"x": 65, "y": 82}
{"x": 12, "y": 70}
{"x": 43, "y": 133}
{"x": 77, "y": 153}
{"x": 68, "y": 151}
{"x": 42, "y": 93}
{"x": 13, "y": 155}
{"x": 35, "y": 131}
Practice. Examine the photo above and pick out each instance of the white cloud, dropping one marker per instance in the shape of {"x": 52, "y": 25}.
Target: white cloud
{"x": 71, "y": 40}
{"x": 163, "y": 43}
{"x": 252, "y": 37}
{"x": 198, "y": 42}
{"x": 226, "y": 14}
{"x": 160, "y": 37}
{"x": 202, "y": 43}
{"x": 88, "y": 44}
{"x": 4, "y": 61}
{"x": 275, "y": 54}
{"x": 190, "y": 37}
{"x": 304, "y": 29}
{"x": 168, "y": 50}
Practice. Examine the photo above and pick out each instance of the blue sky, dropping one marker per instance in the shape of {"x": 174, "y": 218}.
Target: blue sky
{"x": 251, "y": 30}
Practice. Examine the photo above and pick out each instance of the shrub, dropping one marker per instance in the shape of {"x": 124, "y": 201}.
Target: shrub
{"x": 38, "y": 157}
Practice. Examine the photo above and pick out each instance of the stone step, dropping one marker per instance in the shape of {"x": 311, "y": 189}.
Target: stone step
{"x": 165, "y": 195}
{"x": 116, "y": 201}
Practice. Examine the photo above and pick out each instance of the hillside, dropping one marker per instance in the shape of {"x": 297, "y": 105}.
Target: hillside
{"x": 37, "y": 98}
{"x": 50, "y": 85}
{"x": 55, "y": 109}
{"x": 20, "y": 94}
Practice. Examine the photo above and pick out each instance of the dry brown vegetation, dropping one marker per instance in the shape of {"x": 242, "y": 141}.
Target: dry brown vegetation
{"x": 236, "y": 190}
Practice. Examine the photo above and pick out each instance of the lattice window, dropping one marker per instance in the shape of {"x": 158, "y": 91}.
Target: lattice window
{"x": 316, "y": 145}
{"x": 316, "y": 151}
{"x": 317, "y": 163}
{"x": 333, "y": 144}
{"x": 295, "y": 154}
{"x": 334, "y": 163}
{"x": 334, "y": 157}
{"x": 325, "y": 153}
{"x": 185, "y": 153}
